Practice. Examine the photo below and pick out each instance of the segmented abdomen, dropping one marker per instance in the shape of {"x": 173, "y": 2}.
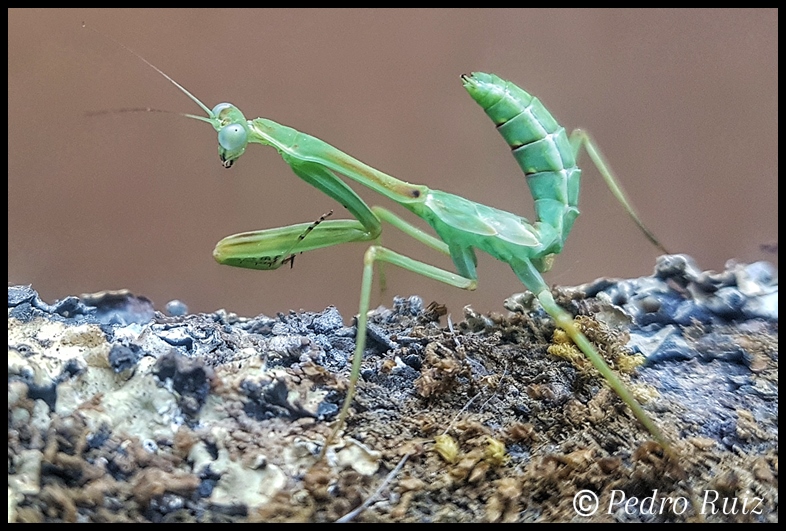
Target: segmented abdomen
{"x": 539, "y": 144}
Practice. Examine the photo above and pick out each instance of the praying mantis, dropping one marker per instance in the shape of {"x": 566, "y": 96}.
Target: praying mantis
{"x": 544, "y": 151}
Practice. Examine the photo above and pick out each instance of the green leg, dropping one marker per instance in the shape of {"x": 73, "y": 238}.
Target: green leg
{"x": 564, "y": 320}
{"x": 373, "y": 254}
{"x": 580, "y": 138}
{"x": 531, "y": 278}
{"x": 407, "y": 228}
{"x": 268, "y": 249}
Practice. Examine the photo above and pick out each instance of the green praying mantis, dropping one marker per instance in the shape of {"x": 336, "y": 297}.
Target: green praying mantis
{"x": 544, "y": 151}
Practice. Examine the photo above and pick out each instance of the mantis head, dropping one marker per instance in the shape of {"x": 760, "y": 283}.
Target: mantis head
{"x": 231, "y": 125}
{"x": 232, "y": 129}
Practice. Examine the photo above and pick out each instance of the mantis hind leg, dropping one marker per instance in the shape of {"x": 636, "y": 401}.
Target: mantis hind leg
{"x": 375, "y": 254}
{"x": 579, "y": 138}
{"x": 531, "y": 278}
{"x": 564, "y": 320}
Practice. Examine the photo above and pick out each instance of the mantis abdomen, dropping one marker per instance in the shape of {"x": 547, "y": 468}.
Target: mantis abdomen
{"x": 539, "y": 144}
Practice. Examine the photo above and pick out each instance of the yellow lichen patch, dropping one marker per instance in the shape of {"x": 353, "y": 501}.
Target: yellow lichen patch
{"x": 447, "y": 448}
{"x": 609, "y": 343}
{"x": 628, "y": 362}
{"x": 495, "y": 452}
{"x": 563, "y": 347}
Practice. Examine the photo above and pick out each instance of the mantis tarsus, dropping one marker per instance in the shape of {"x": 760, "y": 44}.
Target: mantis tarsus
{"x": 544, "y": 151}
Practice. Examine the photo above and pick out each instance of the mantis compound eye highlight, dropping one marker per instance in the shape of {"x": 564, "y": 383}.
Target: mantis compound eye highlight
{"x": 233, "y": 138}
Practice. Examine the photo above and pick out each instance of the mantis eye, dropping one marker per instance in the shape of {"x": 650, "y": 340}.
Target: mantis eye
{"x": 233, "y": 138}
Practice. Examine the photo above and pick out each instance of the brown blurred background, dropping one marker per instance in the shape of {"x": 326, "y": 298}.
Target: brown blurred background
{"x": 683, "y": 103}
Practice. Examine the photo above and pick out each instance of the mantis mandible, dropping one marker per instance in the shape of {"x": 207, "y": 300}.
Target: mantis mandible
{"x": 543, "y": 150}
